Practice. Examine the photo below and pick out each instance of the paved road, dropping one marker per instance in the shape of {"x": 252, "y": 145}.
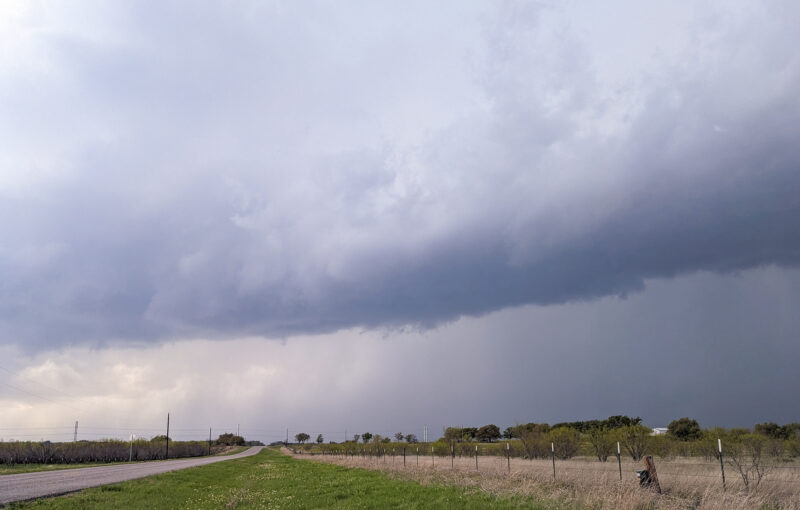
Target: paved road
{"x": 25, "y": 486}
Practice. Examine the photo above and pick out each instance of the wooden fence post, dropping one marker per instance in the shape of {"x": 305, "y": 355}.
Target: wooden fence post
{"x": 650, "y": 466}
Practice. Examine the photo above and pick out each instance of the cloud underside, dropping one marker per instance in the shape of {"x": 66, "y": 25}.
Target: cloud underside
{"x": 234, "y": 179}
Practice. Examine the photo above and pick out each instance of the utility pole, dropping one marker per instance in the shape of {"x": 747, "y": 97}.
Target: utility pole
{"x": 237, "y": 429}
{"x": 75, "y": 437}
{"x": 166, "y": 455}
{"x": 209, "y": 440}
{"x": 287, "y": 436}
{"x": 130, "y": 455}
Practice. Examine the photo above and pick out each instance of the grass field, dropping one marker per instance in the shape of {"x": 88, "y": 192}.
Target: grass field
{"x": 587, "y": 483}
{"x": 272, "y": 480}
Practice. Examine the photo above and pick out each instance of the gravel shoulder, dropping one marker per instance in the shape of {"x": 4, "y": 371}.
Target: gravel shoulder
{"x": 26, "y": 486}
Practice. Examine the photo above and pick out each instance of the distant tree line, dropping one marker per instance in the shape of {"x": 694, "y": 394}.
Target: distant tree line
{"x": 229, "y": 439}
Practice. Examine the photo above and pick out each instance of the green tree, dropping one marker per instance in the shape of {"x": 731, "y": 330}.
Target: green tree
{"x": 366, "y": 436}
{"x": 488, "y": 433}
{"x": 412, "y": 438}
{"x": 685, "y": 429}
{"x": 770, "y": 429}
{"x": 468, "y": 433}
{"x": 229, "y": 439}
{"x": 399, "y": 436}
{"x": 566, "y": 441}
{"x": 602, "y": 442}
{"x": 452, "y": 434}
{"x": 635, "y": 439}
{"x": 320, "y": 439}
{"x": 302, "y": 437}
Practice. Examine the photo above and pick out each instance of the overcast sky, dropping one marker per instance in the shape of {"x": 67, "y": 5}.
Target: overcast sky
{"x": 376, "y": 216}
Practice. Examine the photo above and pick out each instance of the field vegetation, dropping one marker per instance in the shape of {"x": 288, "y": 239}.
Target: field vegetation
{"x": 45, "y": 453}
{"x": 761, "y": 465}
{"x": 583, "y": 482}
{"x": 271, "y": 480}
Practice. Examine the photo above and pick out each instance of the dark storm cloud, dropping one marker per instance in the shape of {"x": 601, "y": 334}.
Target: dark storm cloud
{"x": 273, "y": 172}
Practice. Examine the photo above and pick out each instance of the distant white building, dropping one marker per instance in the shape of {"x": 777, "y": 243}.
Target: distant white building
{"x": 659, "y": 431}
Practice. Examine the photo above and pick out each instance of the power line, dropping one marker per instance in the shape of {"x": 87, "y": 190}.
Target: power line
{"x": 42, "y": 397}
{"x": 38, "y": 382}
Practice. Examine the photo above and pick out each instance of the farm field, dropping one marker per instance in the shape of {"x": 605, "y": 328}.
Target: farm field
{"x": 587, "y": 483}
{"x": 35, "y": 468}
{"x": 272, "y": 480}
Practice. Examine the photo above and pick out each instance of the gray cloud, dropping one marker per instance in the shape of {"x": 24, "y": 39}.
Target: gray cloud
{"x": 722, "y": 349}
{"x": 271, "y": 172}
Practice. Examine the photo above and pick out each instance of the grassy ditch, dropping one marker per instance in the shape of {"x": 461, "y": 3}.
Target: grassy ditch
{"x": 271, "y": 480}
{"x": 34, "y": 468}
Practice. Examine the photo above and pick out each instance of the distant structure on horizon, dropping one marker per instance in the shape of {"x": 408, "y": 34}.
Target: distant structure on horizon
{"x": 659, "y": 431}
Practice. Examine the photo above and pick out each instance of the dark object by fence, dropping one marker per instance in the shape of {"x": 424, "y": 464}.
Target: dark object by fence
{"x": 648, "y": 478}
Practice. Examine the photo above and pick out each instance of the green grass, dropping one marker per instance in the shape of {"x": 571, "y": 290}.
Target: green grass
{"x": 236, "y": 450}
{"x": 271, "y": 480}
{"x": 33, "y": 468}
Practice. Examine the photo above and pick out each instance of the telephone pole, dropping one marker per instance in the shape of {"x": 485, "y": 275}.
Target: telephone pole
{"x": 166, "y": 455}
{"x": 75, "y": 437}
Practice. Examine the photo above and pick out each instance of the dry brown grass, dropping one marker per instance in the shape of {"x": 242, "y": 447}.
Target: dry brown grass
{"x": 584, "y": 483}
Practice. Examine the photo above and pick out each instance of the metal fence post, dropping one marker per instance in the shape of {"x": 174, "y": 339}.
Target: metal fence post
{"x": 721, "y": 464}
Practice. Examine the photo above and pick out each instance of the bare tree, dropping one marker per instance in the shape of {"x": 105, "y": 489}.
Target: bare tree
{"x": 744, "y": 454}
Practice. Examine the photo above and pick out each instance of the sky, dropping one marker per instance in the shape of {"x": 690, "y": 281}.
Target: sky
{"x": 344, "y": 217}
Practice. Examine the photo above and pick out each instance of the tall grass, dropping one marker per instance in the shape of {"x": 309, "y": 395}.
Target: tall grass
{"x": 686, "y": 482}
